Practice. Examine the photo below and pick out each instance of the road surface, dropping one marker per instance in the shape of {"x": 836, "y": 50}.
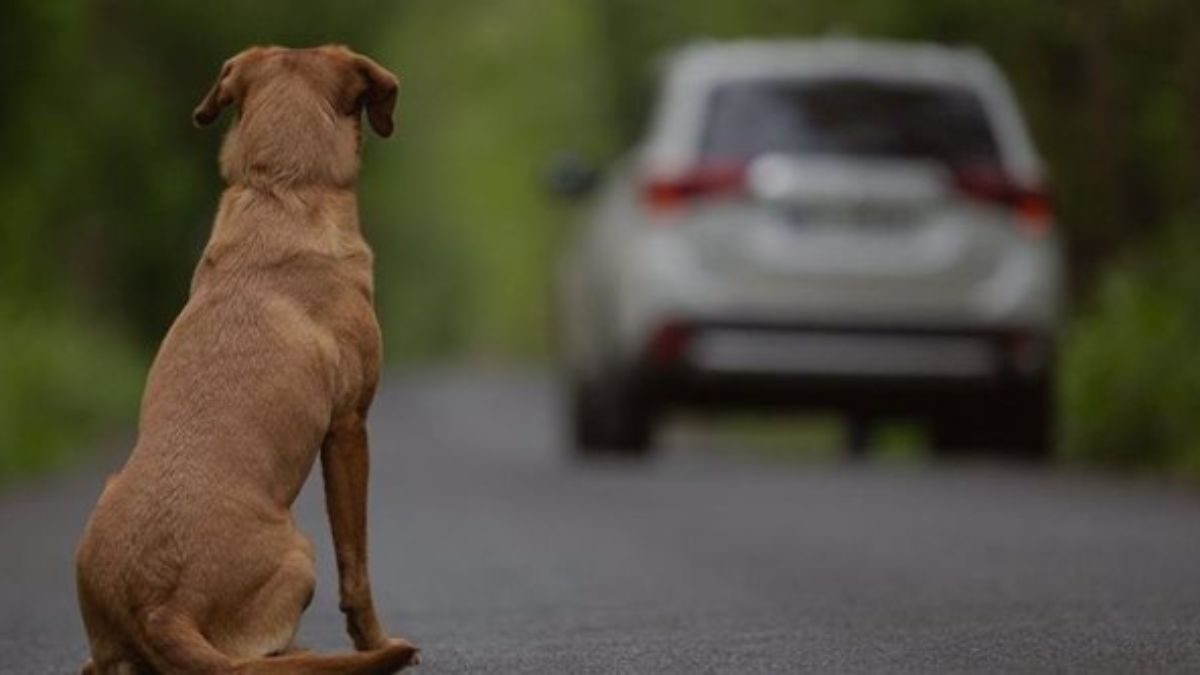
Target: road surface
{"x": 497, "y": 556}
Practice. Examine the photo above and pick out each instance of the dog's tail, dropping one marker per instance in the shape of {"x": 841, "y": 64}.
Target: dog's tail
{"x": 383, "y": 661}
{"x": 177, "y": 646}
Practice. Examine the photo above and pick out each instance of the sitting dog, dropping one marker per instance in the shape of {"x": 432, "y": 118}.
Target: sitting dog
{"x": 191, "y": 562}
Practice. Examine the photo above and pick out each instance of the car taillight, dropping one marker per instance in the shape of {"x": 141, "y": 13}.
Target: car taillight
{"x": 669, "y": 342}
{"x": 665, "y": 193}
{"x": 1032, "y": 205}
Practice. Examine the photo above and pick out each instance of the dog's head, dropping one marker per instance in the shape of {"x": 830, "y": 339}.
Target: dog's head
{"x": 298, "y": 112}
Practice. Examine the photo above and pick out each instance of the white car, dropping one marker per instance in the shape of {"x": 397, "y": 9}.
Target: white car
{"x": 860, "y": 226}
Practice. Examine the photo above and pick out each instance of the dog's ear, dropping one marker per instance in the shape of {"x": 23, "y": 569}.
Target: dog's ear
{"x": 379, "y": 95}
{"x": 216, "y": 99}
{"x": 224, "y": 92}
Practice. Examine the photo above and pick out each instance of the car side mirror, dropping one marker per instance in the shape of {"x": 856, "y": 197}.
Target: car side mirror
{"x": 570, "y": 176}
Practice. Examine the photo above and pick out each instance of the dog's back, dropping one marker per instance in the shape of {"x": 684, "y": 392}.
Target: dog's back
{"x": 191, "y": 562}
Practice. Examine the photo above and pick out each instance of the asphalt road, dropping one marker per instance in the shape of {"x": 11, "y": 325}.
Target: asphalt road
{"x": 497, "y": 556}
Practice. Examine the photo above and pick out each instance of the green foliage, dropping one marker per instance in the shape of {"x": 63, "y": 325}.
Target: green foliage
{"x": 1131, "y": 382}
{"x": 107, "y": 192}
{"x": 464, "y": 234}
{"x": 65, "y": 383}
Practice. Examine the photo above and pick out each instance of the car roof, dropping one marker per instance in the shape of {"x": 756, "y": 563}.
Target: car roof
{"x": 783, "y": 58}
{"x": 690, "y": 72}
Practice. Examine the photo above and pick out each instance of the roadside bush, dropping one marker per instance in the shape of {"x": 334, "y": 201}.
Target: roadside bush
{"x": 64, "y": 382}
{"x": 1131, "y": 376}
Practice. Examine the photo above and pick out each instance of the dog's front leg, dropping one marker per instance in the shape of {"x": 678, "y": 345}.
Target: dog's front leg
{"x": 346, "y": 465}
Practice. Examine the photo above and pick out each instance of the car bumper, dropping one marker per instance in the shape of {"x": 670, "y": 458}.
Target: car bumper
{"x": 886, "y": 369}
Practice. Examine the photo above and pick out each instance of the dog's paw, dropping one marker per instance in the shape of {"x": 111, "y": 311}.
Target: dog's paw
{"x": 402, "y": 653}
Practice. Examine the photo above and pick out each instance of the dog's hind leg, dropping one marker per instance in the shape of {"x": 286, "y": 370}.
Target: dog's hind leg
{"x": 267, "y": 620}
{"x": 110, "y": 655}
{"x": 119, "y": 668}
{"x": 172, "y": 643}
{"x": 127, "y": 668}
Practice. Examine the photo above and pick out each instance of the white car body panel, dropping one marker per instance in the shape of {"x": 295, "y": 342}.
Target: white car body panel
{"x": 953, "y": 262}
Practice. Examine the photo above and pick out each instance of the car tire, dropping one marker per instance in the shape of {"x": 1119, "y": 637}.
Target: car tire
{"x": 610, "y": 417}
{"x": 1016, "y": 425}
{"x": 1031, "y": 424}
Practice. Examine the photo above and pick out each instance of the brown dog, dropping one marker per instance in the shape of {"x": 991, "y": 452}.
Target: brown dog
{"x": 191, "y": 562}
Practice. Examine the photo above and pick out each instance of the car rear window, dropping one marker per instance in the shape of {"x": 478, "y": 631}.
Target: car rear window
{"x": 849, "y": 117}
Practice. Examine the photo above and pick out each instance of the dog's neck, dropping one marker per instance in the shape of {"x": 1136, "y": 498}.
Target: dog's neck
{"x": 260, "y": 231}
{"x": 291, "y": 164}
{"x": 286, "y": 137}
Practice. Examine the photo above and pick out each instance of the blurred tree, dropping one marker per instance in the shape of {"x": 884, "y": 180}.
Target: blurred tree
{"x": 492, "y": 88}
{"x": 1108, "y": 86}
{"x": 108, "y": 192}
